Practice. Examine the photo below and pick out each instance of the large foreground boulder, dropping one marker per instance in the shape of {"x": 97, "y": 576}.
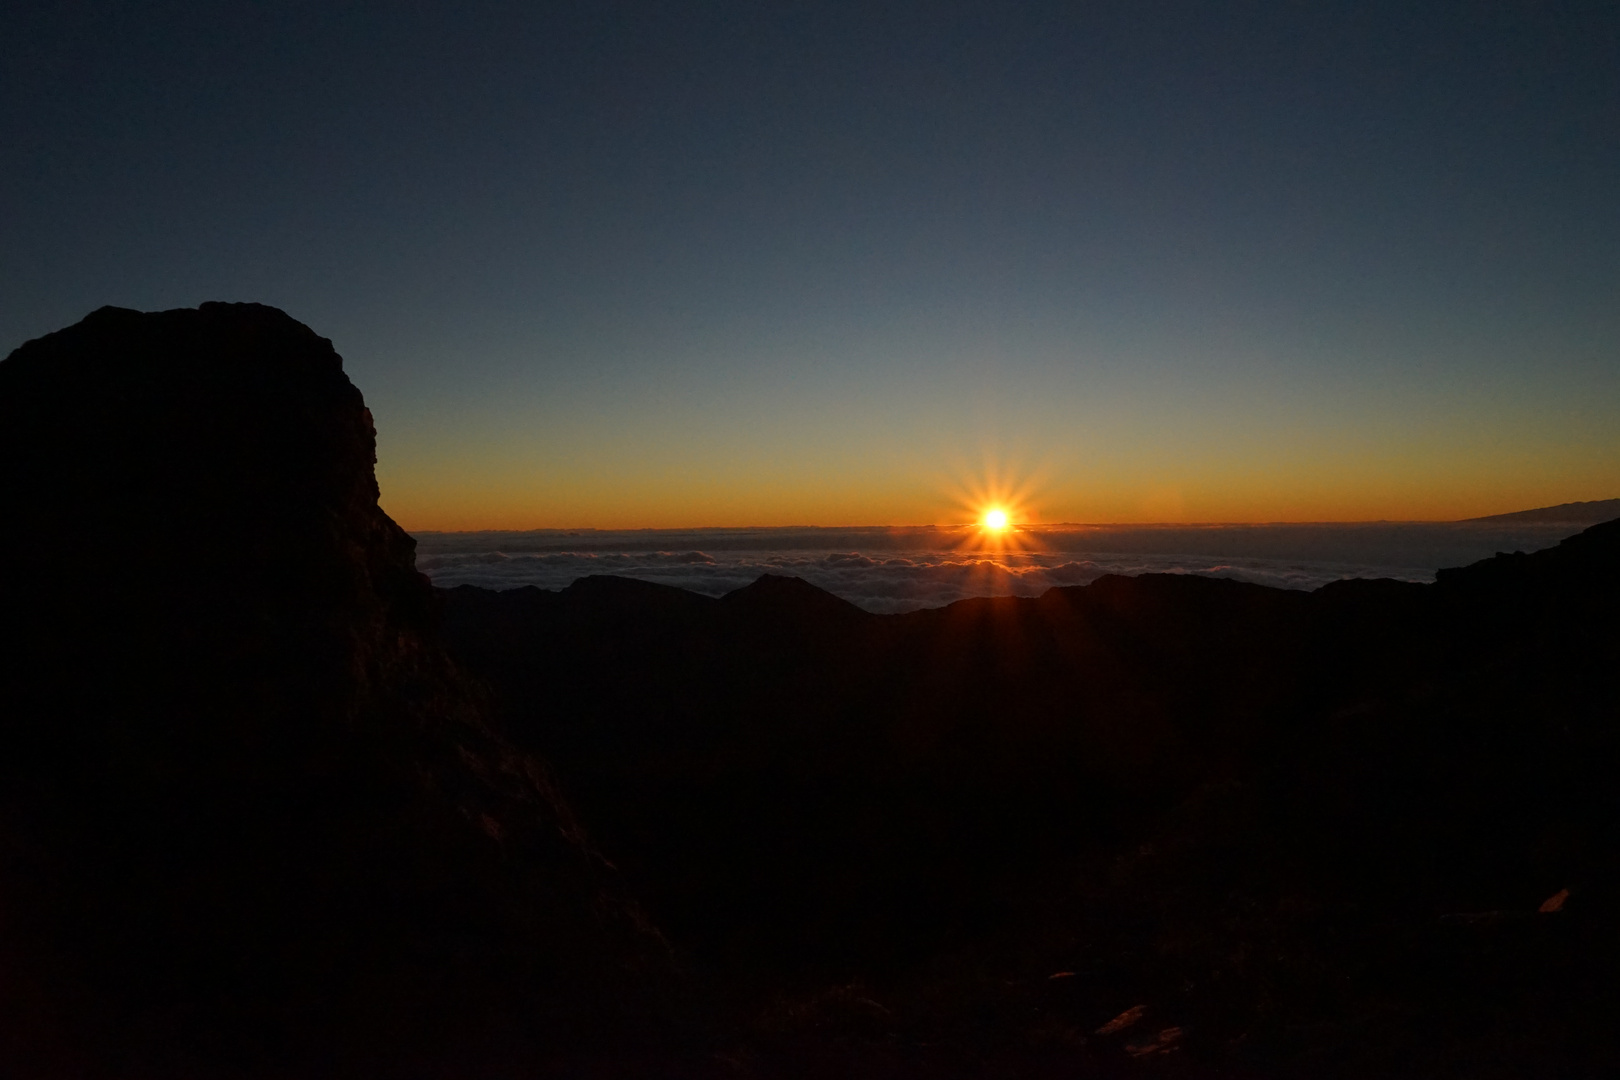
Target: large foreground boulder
{"x": 251, "y": 815}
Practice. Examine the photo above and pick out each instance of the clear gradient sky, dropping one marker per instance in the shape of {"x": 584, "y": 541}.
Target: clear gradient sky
{"x": 686, "y": 264}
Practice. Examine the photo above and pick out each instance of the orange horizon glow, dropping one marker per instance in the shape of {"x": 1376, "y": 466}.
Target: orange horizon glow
{"x": 413, "y": 516}
{"x": 465, "y": 497}
{"x": 657, "y": 475}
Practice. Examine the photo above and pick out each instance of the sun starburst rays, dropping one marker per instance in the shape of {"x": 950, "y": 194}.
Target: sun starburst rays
{"x": 998, "y": 505}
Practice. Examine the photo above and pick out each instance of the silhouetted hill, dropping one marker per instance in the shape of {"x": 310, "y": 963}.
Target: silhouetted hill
{"x": 1310, "y": 832}
{"x": 253, "y": 820}
{"x": 775, "y": 596}
{"x": 1575, "y": 513}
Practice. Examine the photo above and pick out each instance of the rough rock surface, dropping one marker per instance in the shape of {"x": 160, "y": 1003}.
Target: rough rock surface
{"x": 253, "y": 819}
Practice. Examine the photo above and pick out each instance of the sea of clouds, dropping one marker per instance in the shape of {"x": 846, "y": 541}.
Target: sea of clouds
{"x": 902, "y": 569}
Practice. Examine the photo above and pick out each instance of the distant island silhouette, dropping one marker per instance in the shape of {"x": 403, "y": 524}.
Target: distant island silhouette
{"x": 298, "y": 813}
{"x": 1575, "y": 513}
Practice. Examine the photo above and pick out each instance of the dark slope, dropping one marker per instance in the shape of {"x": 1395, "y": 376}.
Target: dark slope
{"x": 254, "y": 820}
{"x": 738, "y": 731}
{"x": 1575, "y": 513}
{"x": 1309, "y": 830}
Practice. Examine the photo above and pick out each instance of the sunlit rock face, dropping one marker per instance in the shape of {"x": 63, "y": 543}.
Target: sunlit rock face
{"x": 254, "y": 817}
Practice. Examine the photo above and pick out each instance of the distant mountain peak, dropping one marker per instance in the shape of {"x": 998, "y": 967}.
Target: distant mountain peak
{"x": 783, "y": 590}
{"x": 1574, "y": 513}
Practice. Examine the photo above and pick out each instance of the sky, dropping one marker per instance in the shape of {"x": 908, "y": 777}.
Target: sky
{"x": 676, "y": 265}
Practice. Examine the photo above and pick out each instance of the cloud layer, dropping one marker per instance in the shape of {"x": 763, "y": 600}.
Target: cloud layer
{"x": 891, "y": 570}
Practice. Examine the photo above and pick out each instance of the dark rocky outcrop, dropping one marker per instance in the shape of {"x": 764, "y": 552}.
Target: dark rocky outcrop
{"x": 1311, "y": 832}
{"x": 252, "y": 817}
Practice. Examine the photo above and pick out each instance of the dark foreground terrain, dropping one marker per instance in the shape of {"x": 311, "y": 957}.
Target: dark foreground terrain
{"x": 1310, "y": 834}
{"x": 297, "y": 814}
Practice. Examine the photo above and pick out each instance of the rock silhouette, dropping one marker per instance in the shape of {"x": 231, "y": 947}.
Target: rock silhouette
{"x": 254, "y": 818}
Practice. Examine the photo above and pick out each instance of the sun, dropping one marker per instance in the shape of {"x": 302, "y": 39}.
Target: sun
{"x": 996, "y": 507}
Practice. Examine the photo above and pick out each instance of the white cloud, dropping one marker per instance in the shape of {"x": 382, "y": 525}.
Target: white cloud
{"x": 890, "y": 570}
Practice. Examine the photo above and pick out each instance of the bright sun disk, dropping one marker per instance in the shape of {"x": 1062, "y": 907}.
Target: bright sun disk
{"x": 995, "y": 519}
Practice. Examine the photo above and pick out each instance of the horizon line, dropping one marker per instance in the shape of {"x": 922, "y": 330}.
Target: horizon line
{"x": 1018, "y": 526}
